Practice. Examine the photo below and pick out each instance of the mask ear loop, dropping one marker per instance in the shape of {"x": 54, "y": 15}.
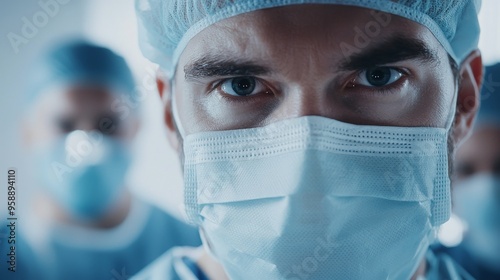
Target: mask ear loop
{"x": 453, "y": 109}
{"x": 189, "y": 190}
{"x": 443, "y": 206}
{"x": 207, "y": 245}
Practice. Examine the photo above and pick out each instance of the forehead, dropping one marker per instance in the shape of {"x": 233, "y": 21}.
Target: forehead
{"x": 78, "y": 99}
{"x": 302, "y": 33}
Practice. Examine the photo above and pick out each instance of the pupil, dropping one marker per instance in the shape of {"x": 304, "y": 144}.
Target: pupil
{"x": 243, "y": 86}
{"x": 378, "y": 76}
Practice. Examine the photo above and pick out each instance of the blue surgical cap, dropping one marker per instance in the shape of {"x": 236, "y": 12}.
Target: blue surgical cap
{"x": 489, "y": 112}
{"x": 166, "y": 26}
{"x": 80, "y": 62}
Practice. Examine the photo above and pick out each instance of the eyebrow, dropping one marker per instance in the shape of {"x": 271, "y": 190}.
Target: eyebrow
{"x": 397, "y": 48}
{"x": 218, "y": 66}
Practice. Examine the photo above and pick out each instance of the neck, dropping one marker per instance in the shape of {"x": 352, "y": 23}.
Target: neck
{"x": 421, "y": 270}
{"x": 211, "y": 267}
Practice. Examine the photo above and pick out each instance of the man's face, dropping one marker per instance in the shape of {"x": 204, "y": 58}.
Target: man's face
{"x": 479, "y": 154}
{"x": 346, "y": 63}
{"x": 61, "y": 110}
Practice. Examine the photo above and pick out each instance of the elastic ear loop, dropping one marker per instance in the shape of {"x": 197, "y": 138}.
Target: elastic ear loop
{"x": 190, "y": 191}
{"x": 443, "y": 208}
{"x": 453, "y": 111}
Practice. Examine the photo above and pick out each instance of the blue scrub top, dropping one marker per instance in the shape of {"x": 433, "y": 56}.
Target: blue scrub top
{"x": 180, "y": 263}
{"x": 461, "y": 255}
{"x": 81, "y": 254}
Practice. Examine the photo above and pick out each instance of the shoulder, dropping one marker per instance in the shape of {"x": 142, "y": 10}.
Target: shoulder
{"x": 441, "y": 266}
{"x": 170, "y": 226}
{"x": 17, "y": 254}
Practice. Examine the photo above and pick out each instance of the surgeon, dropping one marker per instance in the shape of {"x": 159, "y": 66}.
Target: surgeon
{"x": 84, "y": 223}
{"x": 316, "y": 137}
{"x": 477, "y": 187}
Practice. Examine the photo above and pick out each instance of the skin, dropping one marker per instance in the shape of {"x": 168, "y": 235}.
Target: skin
{"x": 479, "y": 154}
{"x": 301, "y": 45}
{"x": 63, "y": 109}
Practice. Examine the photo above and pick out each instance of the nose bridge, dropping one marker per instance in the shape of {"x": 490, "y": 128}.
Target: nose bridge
{"x": 302, "y": 101}
{"x": 86, "y": 124}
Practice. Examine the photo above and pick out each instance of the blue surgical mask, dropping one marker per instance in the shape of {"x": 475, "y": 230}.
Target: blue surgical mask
{"x": 316, "y": 198}
{"x": 477, "y": 203}
{"x": 84, "y": 173}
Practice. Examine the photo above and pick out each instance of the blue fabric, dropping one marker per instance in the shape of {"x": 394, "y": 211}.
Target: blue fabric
{"x": 194, "y": 268}
{"x": 439, "y": 267}
{"x": 93, "y": 185}
{"x": 160, "y": 233}
{"x": 80, "y": 62}
{"x": 24, "y": 268}
{"x": 460, "y": 255}
{"x": 178, "y": 263}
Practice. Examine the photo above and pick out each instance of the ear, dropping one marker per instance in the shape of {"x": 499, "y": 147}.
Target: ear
{"x": 468, "y": 99}
{"x": 164, "y": 90}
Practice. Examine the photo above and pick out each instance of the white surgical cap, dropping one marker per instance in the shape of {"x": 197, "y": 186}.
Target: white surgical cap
{"x": 166, "y": 26}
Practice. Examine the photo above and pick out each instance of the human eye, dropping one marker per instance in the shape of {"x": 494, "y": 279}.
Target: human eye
{"x": 65, "y": 125}
{"x": 374, "y": 77}
{"x": 465, "y": 169}
{"x": 242, "y": 86}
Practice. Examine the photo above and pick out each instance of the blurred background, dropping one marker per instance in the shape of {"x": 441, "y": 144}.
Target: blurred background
{"x": 155, "y": 174}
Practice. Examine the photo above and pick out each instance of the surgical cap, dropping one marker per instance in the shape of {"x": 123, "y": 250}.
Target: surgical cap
{"x": 166, "y": 26}
{"x": 489, "y": 112}
{"x": 80, "y": 62}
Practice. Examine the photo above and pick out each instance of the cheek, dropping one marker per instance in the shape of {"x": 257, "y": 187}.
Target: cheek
{"x": 45, "y": 130}
{"x": 370, "y": 107}
{"x": 43, "y": 135}
{"x": 195, "y": 113}
{"x": 421, "y": 101}
{"x": 432, "y": 105}
{"x": 482, "y": 150}
{"x": 213, "y": 112}
{"x": 433, "y": 100}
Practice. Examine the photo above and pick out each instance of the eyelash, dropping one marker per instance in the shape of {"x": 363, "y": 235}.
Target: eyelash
{"x": 216, "y": 86}
{"x": 387, "y": 89}
{"x": 350, "y": 85}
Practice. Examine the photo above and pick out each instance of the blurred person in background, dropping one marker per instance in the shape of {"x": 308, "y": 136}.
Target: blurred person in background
{"x": 84, "y": 223}
{"x": 477, "y": 187}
